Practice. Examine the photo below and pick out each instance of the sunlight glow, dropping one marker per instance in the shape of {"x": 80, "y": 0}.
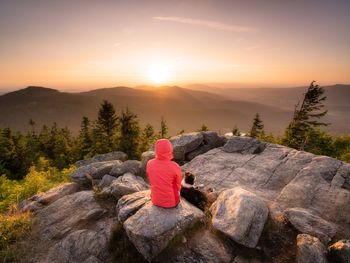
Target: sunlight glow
{"x": 159, "y": 73}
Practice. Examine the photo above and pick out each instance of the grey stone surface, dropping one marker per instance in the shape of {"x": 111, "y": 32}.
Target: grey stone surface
{"x": 129, "y": 166}
{"x": 130, "y": 204}
{"x": 308, "y": 223}
{"x": 106, "y": 181}
{"x": 241, "y": 215}
{"x": 151, "y": 228}
{"x": 38, "y": 201}
{"x": 183, "y": 144}
{"x": 124, "y": 185}
{"x": 112, "y": 156}
{"x": 85, "y": 174}
{"x": 310, "y": 250}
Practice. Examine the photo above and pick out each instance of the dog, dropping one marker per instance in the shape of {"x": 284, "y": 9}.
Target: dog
{"x": 192, "y": 194}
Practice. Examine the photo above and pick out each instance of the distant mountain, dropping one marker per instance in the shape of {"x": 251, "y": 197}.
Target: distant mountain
{"x": 182, "y": 108}
{"x": 219, "y": 109}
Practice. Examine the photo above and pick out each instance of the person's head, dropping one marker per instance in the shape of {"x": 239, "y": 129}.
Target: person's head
{"x": 164, "y": 149}
{"x": 189, "y": 178}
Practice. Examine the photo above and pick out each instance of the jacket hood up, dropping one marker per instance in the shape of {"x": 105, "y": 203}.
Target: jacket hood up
{"x": 164, "y": 150}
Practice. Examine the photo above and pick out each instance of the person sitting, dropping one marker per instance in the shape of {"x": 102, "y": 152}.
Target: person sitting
{"x": 164, "y": 176}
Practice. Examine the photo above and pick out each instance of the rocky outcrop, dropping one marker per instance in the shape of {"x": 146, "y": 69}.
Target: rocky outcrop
{"x": 284, "y": 177}
{"x": 129, "y": 166}
{"x": 112, "y": 156}
{"x": 340, "y": 251}
{"x": 37, "y": 202}
{"x": 306, "y": 222}
{"x": 84, "y": 175}
{"x": 303, "y": 193}
{"x": 151, "y": 228}
{"x": 124, "y": 185}
{"x": 310, "y": 250}
{"x": 78, "y": 226}
{"x": 240, "y": 215}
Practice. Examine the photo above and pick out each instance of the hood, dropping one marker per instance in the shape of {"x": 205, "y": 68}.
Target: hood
{"x": 164, "y": 150}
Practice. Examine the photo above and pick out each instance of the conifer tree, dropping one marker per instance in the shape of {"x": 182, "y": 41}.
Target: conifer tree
{"x": 106, "y": 127}
{"x": 85, "y": 139}
{"x": 203, "y": 128}
{"x": 163, "y": 133}
{"x": 235, "y": 131}
{"x": 147, "y": 138}
{"x": 306, "y": 117}
{"x": 129, "y": 134}
{"x": 257, "y": 129}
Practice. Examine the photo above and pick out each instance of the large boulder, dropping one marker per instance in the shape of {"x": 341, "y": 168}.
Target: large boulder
{"x": 210, "y": 140}
{"x": 129, "y": 166}
{"x": 106, "y": 181}
{"x": 94, "y": 171}
{"x": 244, "y": 145}
{"x": 145, "y": 157}
{"x": 77, "y": 227}
{"x": 340, "y": 251}
{"x": 112, "y": 156}
{"x": 241, "y": 215}
{"x": 185, "y": 143}
{"x": 151, "y": 228}
{"x": 202, "y": 246}
{"x": 310, "y": 250}
{"x": 124, "y": 185}
{"x": 40, "y": 200}
{"x": 130, "y": 204}
{"x": 308, "y": 223}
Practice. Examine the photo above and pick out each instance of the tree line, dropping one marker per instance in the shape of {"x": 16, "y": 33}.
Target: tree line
{"x": 303, "y": 132}
{"x": 122, "y": 132}
{"x": 109, "y": 132}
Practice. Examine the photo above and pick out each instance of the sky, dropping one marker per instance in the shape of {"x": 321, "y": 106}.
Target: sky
{"x": 85, "y": 44}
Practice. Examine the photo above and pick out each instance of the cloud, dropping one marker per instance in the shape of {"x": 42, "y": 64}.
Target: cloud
{"x": 206, "y": 23}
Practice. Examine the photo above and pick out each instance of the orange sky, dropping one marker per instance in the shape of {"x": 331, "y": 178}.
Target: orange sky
{"x": 91, "y": 44}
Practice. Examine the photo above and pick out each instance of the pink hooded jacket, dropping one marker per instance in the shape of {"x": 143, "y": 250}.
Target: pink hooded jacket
{"x": 164, "y": 176}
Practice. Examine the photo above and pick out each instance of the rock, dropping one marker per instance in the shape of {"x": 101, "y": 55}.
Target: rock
{"x": 244, "y": 145}
{"x": 112, "y": 156}
{"x": 85, "y": 174}
{"x": 310, "y": 250}
{"x": 106, "y": 181}
{"x": 76, "y": 227}
{"x": 145, "y": 157}
{"x": 69, "y": 213}
{"x": 284, "y": 177}
{"x": 185, "y": 143}
{"x": 151, "y": 228}
{"x": 308, "y": 223}
{"x": 37, "y": 202}
{"x": 129, "y": 166}
{"x": 80, "y": 246}
{"x": 241, "y": 215}
{"x": 340, "y": 251}
{"x": 203, "y": 246}
{"x": 130, "y": 204}
{"x": 210, "y": 141}
{"x": 124, "y": 185}
{"x": 241, "y": 259}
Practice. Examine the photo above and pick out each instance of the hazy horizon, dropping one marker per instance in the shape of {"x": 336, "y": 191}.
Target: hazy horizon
{"x": 72, "y": 45}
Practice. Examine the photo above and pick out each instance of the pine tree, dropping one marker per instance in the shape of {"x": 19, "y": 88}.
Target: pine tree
{"x": 203, "y": 128}
{"x": 235, "y": 131}
{"x": 306, "y": 117}
{"x": 163, "y": 133}
{"x": 257, "y": 129}
{"x": 147, "y": 138}
{"x": 85, "y": 139}
{"x": 105, "y": 129}
{"x": 129, "y": 134}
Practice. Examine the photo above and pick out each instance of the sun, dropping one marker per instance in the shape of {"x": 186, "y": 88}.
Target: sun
{"x": 159, "y": 73}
